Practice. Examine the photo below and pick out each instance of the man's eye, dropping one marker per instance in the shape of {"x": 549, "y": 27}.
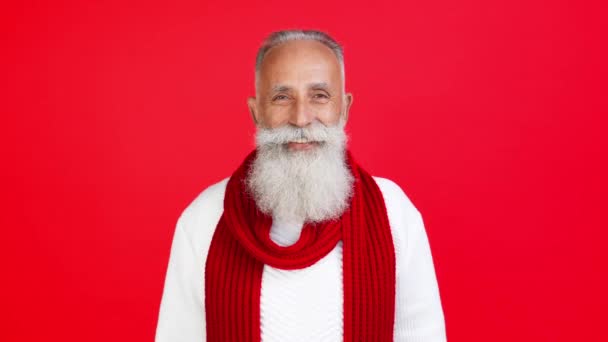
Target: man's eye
{"x": 279, "y": 97}
{"x": 320, "y": 96}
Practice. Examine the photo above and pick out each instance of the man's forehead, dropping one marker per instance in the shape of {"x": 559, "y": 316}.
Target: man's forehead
{"x": 301, "y": 64}
{"x": 300, "y": 49}
{"x": 302, "y": 54}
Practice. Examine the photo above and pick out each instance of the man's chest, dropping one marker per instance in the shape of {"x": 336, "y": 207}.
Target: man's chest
{"x": 305, "y": 304}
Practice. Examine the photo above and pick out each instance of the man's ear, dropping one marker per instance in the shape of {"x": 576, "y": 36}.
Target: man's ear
{"x": 253, "y": 109}
{"x": 348, "y": 97}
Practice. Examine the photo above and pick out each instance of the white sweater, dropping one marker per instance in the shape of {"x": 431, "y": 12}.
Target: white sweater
{"x": 301, "y": 305}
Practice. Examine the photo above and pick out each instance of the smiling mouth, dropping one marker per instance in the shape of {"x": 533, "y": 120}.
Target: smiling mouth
{"x": 301, "y": 144}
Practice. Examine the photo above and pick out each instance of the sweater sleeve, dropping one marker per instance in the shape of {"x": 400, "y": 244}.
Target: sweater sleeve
{"x": 419, "y": 314}
{"x": 181, "y": 315}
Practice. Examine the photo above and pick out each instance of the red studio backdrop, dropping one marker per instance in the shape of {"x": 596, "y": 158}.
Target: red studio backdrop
{"x": 490, "y": 115}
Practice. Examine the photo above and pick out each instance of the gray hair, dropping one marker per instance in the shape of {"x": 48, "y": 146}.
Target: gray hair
{"x": 280, "y": 37}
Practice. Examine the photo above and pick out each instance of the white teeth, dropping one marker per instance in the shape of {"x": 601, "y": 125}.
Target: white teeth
{"x": 300, "y": 140}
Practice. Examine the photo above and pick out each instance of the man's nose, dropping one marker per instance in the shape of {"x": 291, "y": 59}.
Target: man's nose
{"x": 302, "y": 114}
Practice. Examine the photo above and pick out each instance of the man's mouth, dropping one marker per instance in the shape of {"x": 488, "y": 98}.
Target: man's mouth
{"x": 301, "y": 144}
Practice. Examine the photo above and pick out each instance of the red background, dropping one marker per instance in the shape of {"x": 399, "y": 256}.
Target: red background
{"x": 489, "y": 114}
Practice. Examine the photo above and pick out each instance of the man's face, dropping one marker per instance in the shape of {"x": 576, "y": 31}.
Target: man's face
{"x": 299, "y": 82}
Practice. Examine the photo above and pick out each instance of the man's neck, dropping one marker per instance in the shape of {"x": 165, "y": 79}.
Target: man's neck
{"x": 285, "y": 232}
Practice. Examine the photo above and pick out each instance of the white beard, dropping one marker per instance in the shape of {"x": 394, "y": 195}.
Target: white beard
{"x": 303, "y": 185}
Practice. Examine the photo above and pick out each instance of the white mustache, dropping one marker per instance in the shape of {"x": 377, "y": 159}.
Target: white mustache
{"x": 315, "y": 132}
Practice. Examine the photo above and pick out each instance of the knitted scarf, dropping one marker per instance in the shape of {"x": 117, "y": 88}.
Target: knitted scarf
{"x": 241, "y": 246}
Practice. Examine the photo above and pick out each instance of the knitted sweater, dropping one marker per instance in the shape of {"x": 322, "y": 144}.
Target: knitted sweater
{"x": 305, "y": 304}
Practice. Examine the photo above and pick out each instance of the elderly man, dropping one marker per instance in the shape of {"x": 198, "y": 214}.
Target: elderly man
{"x": 300, "y": 243}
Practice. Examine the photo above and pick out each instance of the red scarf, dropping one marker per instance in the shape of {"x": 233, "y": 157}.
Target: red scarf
{"x": 241, "y": 245}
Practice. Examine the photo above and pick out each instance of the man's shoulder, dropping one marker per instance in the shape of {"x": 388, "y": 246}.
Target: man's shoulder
{"x": 404, "y": 218}
{"x": 394, "y": 194}
{"x": 206, "y": 208}
{"x": 400, "y": 209}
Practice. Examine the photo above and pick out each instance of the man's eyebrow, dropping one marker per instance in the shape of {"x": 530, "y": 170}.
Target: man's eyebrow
{"x": 280, "y": 88}
{"x": 314, "y": 86}
{"x": 319, "y": 85}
